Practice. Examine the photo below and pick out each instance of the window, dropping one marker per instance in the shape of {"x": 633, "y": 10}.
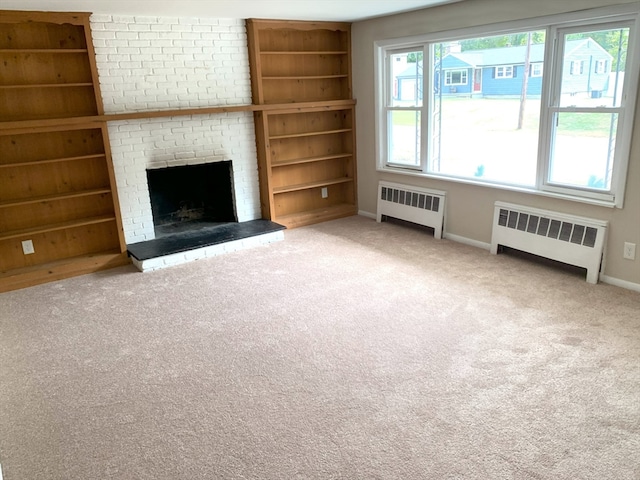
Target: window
{"x": 404, "y": 108}
{"x": 577, "y": 67}
{"x": 536, "y": 69}
{"x": 455, "y": 77}
{"x": 553, "y": 128}
{"x": 504, "y": 72}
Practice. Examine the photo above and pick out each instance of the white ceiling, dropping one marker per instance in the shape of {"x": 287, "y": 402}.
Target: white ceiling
{"x": 329, "y": 10}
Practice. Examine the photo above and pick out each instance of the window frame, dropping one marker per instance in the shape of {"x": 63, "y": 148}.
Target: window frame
{"x": 500, "y": 71}
{"x": 463, "y": 75}
{"x": 625, "y": 113}
{"x": 388, "y": 107}
{"x": 587, "y": 19}
{"x": 601, "y": 67}
{"x": 537, "y": 70}
{"x": 576, "y": 68}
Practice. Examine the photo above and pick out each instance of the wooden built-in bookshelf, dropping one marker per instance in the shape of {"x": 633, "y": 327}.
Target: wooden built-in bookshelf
{"x": 57, "y": 188}
{"x": 306, "y": 153}
{"x": 57, "y": 185}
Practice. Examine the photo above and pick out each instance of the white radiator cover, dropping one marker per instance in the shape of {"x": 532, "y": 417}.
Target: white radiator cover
{"x": 566, "y": 238}
{"x": 413, "y": 204}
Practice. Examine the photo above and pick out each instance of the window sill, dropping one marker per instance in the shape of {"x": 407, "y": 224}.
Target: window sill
{"x": 500, "y": 186}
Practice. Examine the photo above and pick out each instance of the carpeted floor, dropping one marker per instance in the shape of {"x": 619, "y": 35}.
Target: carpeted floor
{"x": 350, "y": 350}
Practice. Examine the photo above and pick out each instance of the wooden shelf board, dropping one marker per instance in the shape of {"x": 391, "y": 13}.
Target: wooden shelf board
{"x": 58, "y": 196}
{"x": 56, "y": 226}
{"x": 315, "y": 216}
{"x": 46, "y": 85}
{"x": 43, "y": 50}
{"x": 57, "y": 118}
{"x": 304, "y": 77}
{"x": 297, "y": 161}
{"x": 304, "y": 52}
{"x": 53, "y": 160}
{"x": 9, "y": 127}
{"x": 69, "y": 267}
{"x": 310, "y": 134}
{"x": 309, "y": 185}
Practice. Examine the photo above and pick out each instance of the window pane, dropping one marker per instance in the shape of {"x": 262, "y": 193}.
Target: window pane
{"x": 486, "y": 128}
{"x": 404, "y": 137}
{"x": 406, "y": 79}
{"x": 583, "y": 150}
{"x": 593, "y": 68}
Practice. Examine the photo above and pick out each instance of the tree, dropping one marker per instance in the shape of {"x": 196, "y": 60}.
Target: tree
{"x": 525, "y": 82}
{"x": 502, "y": 41}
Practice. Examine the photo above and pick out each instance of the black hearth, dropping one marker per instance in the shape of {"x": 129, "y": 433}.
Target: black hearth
{"x": 191, "y": 197}
{"x": 193, "y": 206}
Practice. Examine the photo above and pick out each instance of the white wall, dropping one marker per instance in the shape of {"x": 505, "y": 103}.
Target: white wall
{"x": 155, "y": 63}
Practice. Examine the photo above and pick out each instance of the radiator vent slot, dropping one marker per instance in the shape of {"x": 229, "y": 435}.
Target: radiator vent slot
{"x": 565, "y": 238}
{"x": 548, "y": 227}
{"x": 412, "y": 199}
{"x": 413, "y": 204}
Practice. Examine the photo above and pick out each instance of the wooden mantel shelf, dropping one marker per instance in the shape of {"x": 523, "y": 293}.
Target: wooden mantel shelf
{"x": 15, "y": 126}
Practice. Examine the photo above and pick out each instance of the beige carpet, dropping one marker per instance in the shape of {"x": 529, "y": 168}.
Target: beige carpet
{"x": 350, "y": 350}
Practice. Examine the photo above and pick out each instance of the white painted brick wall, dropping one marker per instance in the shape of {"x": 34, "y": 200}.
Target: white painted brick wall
{"x": 155, "y": 143}
{"x": 153, "y": 63}
{"x": 156, "y": 63}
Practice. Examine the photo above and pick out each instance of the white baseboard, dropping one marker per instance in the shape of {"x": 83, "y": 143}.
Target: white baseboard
{"x": 367, "y": 214}
{"x": 467, "y": 241}
{"x": 616, "y": 282}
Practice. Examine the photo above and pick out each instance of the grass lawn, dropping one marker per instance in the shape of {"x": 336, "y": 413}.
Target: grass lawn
{"x": 478, "y": 137}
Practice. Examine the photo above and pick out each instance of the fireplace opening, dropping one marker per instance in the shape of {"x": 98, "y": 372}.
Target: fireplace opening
{"x": 191, "y": 197}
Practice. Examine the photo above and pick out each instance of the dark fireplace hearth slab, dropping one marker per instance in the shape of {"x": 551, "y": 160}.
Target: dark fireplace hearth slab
{"x": 185, "y": 241}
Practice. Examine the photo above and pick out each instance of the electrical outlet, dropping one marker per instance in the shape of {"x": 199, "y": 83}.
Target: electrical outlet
{"x": 325, "y": 192}
{"x": 27, "y": 247}
{"x": 629, "y": 251}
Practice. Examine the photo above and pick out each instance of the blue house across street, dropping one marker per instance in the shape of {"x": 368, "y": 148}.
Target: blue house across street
{"x": 500, "y": 71}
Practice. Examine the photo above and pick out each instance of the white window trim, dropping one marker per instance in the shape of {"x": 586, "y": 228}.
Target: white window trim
{"x": 586, "y": 17}
{"x": 463, "y": 76}
{"x": 501, "y": 72}
{"x": 419, "y": 107}
{"x": 577, "y": 67}
{"x": 537, "y": 69}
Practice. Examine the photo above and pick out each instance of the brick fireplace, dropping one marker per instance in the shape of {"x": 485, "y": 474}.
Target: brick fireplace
{"x": 141, "y": 145}
{"x": 155, "y": 63}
